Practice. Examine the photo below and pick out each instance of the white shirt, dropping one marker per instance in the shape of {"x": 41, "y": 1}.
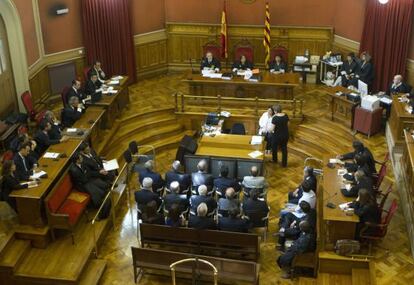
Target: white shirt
{"x": 309, "y": 197}
{"x": 265, "y": 123}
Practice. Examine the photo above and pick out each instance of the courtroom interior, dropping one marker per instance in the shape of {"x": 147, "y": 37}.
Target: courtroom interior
{"x": 206, "y": 142}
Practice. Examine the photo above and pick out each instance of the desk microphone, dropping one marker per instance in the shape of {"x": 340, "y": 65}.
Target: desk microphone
{"x": 330, "y": 204}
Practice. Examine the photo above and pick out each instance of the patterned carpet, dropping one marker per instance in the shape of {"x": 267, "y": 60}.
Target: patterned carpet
{"x": 394, "y": 263}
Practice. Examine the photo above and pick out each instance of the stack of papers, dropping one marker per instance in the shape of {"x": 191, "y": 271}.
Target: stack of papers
{"x": 71, "y": 130}
{"x": 37, "y": 175}
{"x": 334, "y": 160}
{"x": 51, "y": 155}
{"x": 113, "y": 82}
{"x": 119, "y": 77}
{"x": 256, "y": 140}
{"x": 111, "y": 165}
{"x": 255, "y": 154}
{"x": 343, "y": 206}
{"x": 386, "y": 100}
{"x": 342, "y": 172}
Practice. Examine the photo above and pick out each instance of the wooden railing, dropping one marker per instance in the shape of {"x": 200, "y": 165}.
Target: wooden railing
{"x": 295, "y": 104}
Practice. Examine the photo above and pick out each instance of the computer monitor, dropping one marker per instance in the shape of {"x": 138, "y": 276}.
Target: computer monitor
{"x": 217, "y": 162}
{"x": 362, "y": 88}
{"x": 243, "y": 167}
{"x": 191, "y": 161}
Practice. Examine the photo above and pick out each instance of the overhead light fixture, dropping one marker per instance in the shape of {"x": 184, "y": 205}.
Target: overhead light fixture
{"x": 383, "y": 1}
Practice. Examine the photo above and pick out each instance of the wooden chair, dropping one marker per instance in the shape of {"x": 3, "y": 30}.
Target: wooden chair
{"x": 245, "y": 48}
{"x": 33, "y": 114}
{"x": 260, "y": 222}
{"x": 214, "y": 48}
{"x": 378, "y": 178}
{"x": 373, "y": 232}
{"x": 64, "y": 95}
{"x": 281, "y": 51}
{"x": 384, "y": 197}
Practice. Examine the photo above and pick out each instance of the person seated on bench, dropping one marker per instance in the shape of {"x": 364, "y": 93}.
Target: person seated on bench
{"x": 55, "y": 133}
{"x": 175, "y": 217}
{"x": 175, "y": 175}
{"x": 145, "y": 195}
{"x": 151, "y": 214}
{"x": 360, "y": 163}
{"x": 71, "y": 113}
{"x": 175, "y": 198}
{"x": 201, "y": 221}
{"x": 225, "y": 204}
{"x": 223, "y": 182}
{"x": 24, "y": 169}
{"x": 308, "y": 195}
{"x": 201, "y": 177}
{"x": 359, "y": 148}
{"x": 233, "y": 223}
{"x": 42, "y": 138}
{"x": 148, "y": 171}
{"x": 366, "y": 208}
{"x": 293, "y": 197}
{"x": 289, "y": 224}
{"x": 254, "y": 181}
{"x": 254, "y": 205}
{"x": 95, "y": 187}
{"x": 305, "y": 243}
{"x": 94, "y": 164}
{"x": 196, "y": 200}
{"x": 362, "y": 181}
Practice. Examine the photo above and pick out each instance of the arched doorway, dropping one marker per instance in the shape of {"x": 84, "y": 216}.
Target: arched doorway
{"x": 11, "y": 19}
{"x": 7, "y": 90}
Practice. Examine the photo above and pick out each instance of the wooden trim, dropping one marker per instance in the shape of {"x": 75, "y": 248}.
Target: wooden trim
{"x": 154, "y": 36}
{"x": 346, "y": 43}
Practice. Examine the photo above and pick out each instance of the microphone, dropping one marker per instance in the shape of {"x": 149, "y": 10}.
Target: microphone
{"x": 330, "y": 196}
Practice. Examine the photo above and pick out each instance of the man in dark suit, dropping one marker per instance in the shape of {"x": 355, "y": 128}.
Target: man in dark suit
{"x": 42, "y": 138}
{"x": 223, "y": 182}
{"x": 255, "y": 209}
{"x": 175, "y": 198}
{"x": 293, "y": 197}
{"x": 201, "y": 177}
{"x": 362, "y": 181}
{"x": 202, "y": 197}
{"x": 359, "y": 148}
{"x": 242, "y": 64}
{"x": 145, "y": 195}
{"x": 97, "y": 70}
{"x": 210, "y": 63}
{"x": 23, "y": 168}
{"x": 75, "y": 91}
{"x": 305, "y": 243}
{"x": 175, "y": 175}
{"x": 55, "y": 132}
{"x": 92, "y": 89}
{"x": 365, "y": 72}
{"x": 289, "y": 223}
{"x": 201, "y": 221}
{"x": 148, "y": 171}
{"x": 230, "y": 201}
{"x": 278, "y": 65}
{"x": 95, "y": 187}
{"x": 71, "y": 113}
{"x": 348, "y": 69}
{"x": 398, "y": 86}
{"x": 233, "y": 223}
{"x": 94, "y": 164}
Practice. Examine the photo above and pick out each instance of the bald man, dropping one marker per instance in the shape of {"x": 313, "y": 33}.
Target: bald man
{"x": 157, "y": 181}
{"x": 398, "y": 86}
{"x": 176, "y": 175}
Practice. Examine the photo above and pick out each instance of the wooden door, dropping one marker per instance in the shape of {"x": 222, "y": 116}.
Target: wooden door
{"x": 8, "y": 98}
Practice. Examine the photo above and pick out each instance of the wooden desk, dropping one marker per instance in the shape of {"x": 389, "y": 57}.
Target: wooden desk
{"x": 342, "y": 109}
{"x": 274, "y": 86}
{"x": 407, "y": 160}
{"x": 30, "y": 201}
{"x": 90, "y": 123}
{"x": 225, "y": 145}
{"x": 399, "y": 120}
{"x": 337, "y": 225}
{"x": 114, "y": 103}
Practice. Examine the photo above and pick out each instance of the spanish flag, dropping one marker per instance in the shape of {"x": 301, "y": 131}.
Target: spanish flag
{"x": 266, "y": 40}
{"x": 224, "y": 32}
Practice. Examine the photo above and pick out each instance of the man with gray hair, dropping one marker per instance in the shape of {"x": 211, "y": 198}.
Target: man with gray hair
{"x": 71, "y": 113}
{"x": 175, "y": 198}
{"x": 145, "y": 195}
{"x": 202, "y": 177}
{"x": 254, "y": 180}
{"x": 229, "y": 202}
{"x": 201, "y": 221}
{"x": 196, "y": 200}
{"x": 148, "y": 171}
{"x": 398, "y": 86}
{"x": 175, "y": 175}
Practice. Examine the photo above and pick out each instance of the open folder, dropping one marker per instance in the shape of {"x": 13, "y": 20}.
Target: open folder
{"x": 111, "y": 165}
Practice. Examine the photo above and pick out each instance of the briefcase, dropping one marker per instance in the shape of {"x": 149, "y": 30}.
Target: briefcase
{"x": 347, "y": 247}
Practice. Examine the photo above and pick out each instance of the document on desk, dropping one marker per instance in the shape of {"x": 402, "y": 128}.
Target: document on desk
{"x": 71, "y": 130}
{"x": 113, "y": 82}
{"x": 38, "y": 174}
{"x": 51, "y": 155}
{"x": 111, "y": 165}
{"x": 119, "y": 77}
{"x": 256, "y": 140}
{"x": 342, "y": 172}
{"x": 334, "y": 161}
{"x": 255, "y": 154}
{"x": 386, "y": 100}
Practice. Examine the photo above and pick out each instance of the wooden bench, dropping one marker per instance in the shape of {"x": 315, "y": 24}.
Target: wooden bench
{"x": 65, "y": 205}
{"x": 207, "y": 242}
{"x": 229, "y": 270}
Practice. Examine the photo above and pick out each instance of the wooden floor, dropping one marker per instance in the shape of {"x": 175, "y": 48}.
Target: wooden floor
{"x": 315, "y": 137}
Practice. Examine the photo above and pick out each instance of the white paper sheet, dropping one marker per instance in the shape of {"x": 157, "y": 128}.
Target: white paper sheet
{"x": 71, "y": 130}
{"x": 111, "y": 165}
{"x": 51, "y": 155}
{"x": 113, "y": 82}
{"x": 256, "y": 140}
{"x": 38, "y": 174}
{"x": 255, "y": 154}
{"x": 334, "y": 160}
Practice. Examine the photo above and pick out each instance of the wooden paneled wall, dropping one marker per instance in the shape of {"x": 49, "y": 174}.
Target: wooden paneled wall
{"x": 186, "y": 41}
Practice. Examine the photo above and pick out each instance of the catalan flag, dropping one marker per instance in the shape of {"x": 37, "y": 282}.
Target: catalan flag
{"x": 266, "y": 40}
{"x": 224, "y": 32}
